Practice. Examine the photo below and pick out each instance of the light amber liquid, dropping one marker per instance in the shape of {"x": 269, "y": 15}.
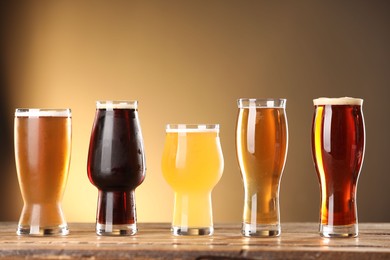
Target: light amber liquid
{"x": 261, "y": 142}
{"x": 42, "y": 152}
{"x": 192, "y": 164}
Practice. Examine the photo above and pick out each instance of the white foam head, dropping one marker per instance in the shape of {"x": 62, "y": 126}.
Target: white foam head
{"x": 192, "y": 128}
{"x": 111, "y": 104}
{"x": 261, "y": 103}
{"x": 338, "y": 101}
{"x": 37, "y": 112}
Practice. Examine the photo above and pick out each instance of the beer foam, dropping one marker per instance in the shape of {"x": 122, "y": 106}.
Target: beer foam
{"x": 338, "y": 101}
{"x": 261, "y": 103}
{"x": 35, "y": 112}
{"x": 116, "y": 104}
{"x": 183, "y": 128}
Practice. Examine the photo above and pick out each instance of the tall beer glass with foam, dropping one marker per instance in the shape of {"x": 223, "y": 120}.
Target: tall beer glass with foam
{"x": 116, "y": 165}
{"x": 261, "y": 144}
{"x": 338, "y": 142}
{"x": 42, "y": 152}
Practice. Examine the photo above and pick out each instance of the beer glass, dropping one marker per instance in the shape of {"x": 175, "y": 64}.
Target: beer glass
{"x": 116, "y": 165}
{"x": 338, "y": 141}
{"x": 42, "y": 155}
{"x": 192, "y": 164}
{"x": 261, "y": 145}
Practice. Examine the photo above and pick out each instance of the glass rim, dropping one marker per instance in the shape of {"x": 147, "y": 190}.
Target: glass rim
{"x": 194, "y": 128}
{"x": 338, "y": 101}
{"x": 117, "y": 104}
{"x": 43, "y": 112}
{"x": 261, "y": 102}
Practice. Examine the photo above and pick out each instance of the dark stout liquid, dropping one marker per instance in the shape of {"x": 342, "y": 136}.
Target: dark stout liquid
{"x": 116, "y": 163}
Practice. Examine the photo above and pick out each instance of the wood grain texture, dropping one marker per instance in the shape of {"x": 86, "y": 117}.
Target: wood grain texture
{"x": 154, "y": 241}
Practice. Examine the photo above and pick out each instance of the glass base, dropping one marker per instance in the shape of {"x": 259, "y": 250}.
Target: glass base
{"x": 189, "y": 231}
{"x": 263, "y": 230}
{"x": 42, "y": 231}
{"x": 339, "y": 231}
{"x": 116, "y": 230}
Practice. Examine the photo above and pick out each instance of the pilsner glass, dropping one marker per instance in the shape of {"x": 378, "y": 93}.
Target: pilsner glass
{"x": 192, "y": 164}
{"x": 338, "y": 142}
{"x": 42, "y": 154}
{"x": 261, "y": 144}
{"x": 116, "y": 165}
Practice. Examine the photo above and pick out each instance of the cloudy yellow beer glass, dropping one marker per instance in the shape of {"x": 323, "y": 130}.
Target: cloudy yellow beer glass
{"x": 192, "y": 164}
{"x": 261, "y": 143}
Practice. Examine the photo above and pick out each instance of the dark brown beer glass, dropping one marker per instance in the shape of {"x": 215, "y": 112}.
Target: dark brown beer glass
{"x": 116, "y": 165}
{"x": 338, "y": 142}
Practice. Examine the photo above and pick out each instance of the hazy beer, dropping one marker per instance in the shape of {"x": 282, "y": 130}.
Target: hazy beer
{"x": 116, "y": 165}
{"x": 42, "y": 153}
{"x": 192, "y": 164}
{"x": 261, "y": 144}
{"x": 338, "y": 141}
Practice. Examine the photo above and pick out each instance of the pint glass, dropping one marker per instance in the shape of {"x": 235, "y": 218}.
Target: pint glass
{"x": 116, "y": 165}
{"x": 42, "y": 155}
{"x": 192, "y": 164}
{"x": 338, "y": 141}
{"x": 261, "y": 145}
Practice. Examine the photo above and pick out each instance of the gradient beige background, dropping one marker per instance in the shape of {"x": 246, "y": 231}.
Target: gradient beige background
{"x": 188, "y": 62}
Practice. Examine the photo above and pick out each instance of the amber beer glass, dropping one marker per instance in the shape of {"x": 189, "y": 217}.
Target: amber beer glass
{"x": 261, "y": 144}
{"x": 338, "y": 142}
{"x": 116, "y": 165}
{"x": 192, "y": 164}
{"x": 42, "y": 155}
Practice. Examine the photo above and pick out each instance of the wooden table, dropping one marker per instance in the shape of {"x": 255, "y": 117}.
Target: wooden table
{"x": 154, "y": 241}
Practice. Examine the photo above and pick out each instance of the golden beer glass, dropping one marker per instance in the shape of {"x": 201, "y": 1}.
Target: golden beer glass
{"x": 338, "y": 143}
{"x": 261, "y": 144}
{"x": 42, "y": 154}
{"x": 192, "y": 164}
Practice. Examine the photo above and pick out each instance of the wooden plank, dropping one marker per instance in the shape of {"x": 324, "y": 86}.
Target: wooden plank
{"x": 154, "y": 241}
